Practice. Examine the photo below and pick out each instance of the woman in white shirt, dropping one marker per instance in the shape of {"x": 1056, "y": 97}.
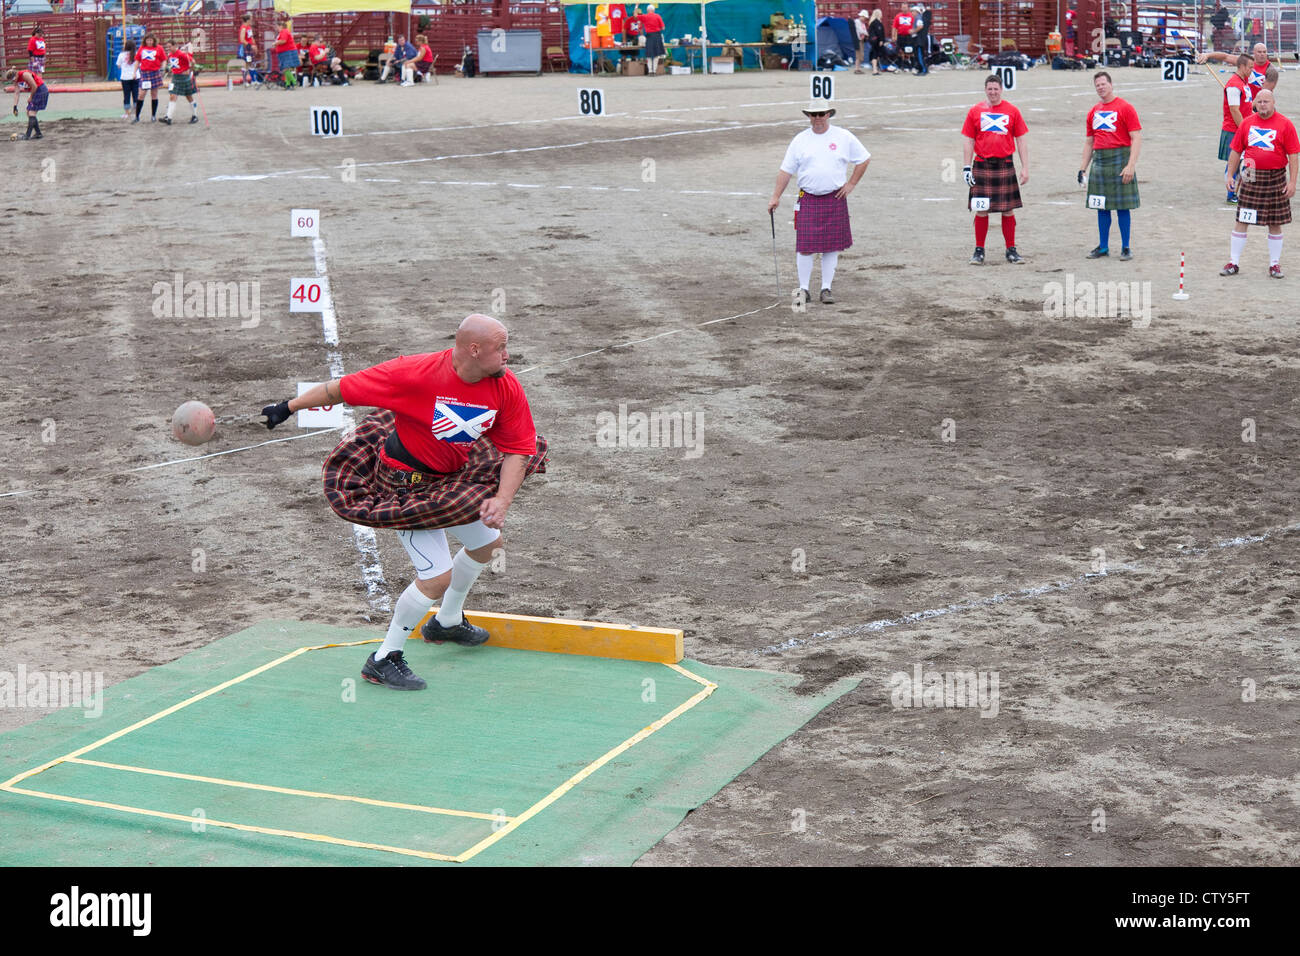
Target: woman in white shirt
{"x": 130, "y": 78}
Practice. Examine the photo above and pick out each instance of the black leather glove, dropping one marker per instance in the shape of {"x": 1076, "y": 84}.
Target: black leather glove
{"x": 1081, "y": 177}
{"x": 276, "y": 414}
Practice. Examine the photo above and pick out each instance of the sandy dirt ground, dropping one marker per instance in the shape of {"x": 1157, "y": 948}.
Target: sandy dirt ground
{"x": 933, "y": 442}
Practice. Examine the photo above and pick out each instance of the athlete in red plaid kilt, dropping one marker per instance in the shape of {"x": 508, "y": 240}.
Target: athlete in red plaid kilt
{"x": 1266, "y": 150}
{"x": 450, "y": 450}
{"x": 818, "y": 159}
{"x": 994, "y": 130}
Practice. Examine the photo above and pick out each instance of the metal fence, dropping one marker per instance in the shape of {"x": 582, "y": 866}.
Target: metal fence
{"x": 77, "y": 48}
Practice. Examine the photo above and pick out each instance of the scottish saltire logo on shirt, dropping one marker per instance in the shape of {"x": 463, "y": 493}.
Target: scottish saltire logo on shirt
{"x": 1105, "y": 120}
{"x": 994, "y": 122}
{"x": 1261, "y": 138}
{"x": 459, "y": 423}
{"x": 1256, "y": 78}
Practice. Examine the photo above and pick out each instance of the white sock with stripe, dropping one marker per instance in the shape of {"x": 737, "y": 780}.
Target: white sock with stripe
{"x": 1274, "y": 249}
{"x": 464, "y": 572}
{"x": 1236, "y": 246}
{"x": 411, "y": 607}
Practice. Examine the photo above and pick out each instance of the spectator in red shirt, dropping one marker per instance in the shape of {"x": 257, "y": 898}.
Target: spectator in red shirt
{"x": 286, "y": 54}
{"x": 248, "y": 49}
{"x": 36, "y": 50}
{"x": 320, "y": 57}
{"x": 1267, "y": 151}
{"x": 652, "y": 25}
{"x": 449, "y": 453}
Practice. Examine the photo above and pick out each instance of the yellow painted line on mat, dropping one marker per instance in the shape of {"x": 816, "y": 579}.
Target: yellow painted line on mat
{"x": 558, "y": 635}
{"x": 315, "y": 837}
{"x": 288, "y": 790}
{"x": 587, "y": 771}
{"x": 8, "y": 784}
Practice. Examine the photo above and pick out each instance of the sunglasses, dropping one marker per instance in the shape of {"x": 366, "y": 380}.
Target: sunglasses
{"x": 823, "y": 113}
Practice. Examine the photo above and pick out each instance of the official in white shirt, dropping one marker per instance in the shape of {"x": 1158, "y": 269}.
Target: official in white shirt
{"x": 819, "y": 160}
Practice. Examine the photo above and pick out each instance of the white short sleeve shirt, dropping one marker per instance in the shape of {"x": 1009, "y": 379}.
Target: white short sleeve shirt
{"x": 820, "y": 164}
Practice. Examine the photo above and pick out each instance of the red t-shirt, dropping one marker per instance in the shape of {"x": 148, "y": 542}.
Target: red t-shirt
{"x": 1266, "y": 143}
{"x": 617, "y": 16}
{"x": 246, "y": 34}
{"x": 179, "y": 62}
{"x": 425, "y": 55}
{"x": 994, "y": 128}
{"x": 36, "y": 47}
{"x": 438, "y": 414}
{"x": 23, "y": 80}
{"x": 651, "y": 22}
{"x": 903, "y": 24}
{"x": 151, "y": 57}
{"x": 284, "y": 42}
{"x": 1109, "y": 124}
{"x": 1235, "y": 82}
{"x": 317, "y": 52}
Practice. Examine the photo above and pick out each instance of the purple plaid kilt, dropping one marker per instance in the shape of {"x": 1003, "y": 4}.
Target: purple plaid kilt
{"x": 39, "y": 99}
{"x": 36, "y": 64}
{"x": 361, "y": 488}
{"x": 1267, "y": 196}
{"x": 995, "y": 178}
{"x": 821, "y": 224}
{"x": 151, "y": 76}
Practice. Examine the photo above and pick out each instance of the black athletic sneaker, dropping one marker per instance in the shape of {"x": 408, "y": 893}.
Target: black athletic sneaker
{"x": 194, "y": 119}
{"x": 392, "y": 672}
{"x": 465, "y": 634}
{"x": 827, "y": 298}
{"x": 1099, "y": 253}
{"x": 167, "y": 120}
{"x": 977, "y": 259}
{"x": 1013, "y": 256}
{"x": 1125, "y": 254}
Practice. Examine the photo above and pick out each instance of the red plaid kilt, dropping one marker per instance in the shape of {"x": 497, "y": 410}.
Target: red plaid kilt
{"x": 1267, "y": 196}
{"x": 361, "y": 488}
{"x": 821, "y": 224}
{"x": 995, "y": 178}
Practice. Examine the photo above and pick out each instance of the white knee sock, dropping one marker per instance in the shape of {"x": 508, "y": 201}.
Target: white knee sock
{"x": 407, "y": 72}
{"x": 1236, "y": 247}
{"x": 804, "y": 264}
{"x": 1274, "y": 249}
{"x": 829, "y": 261}
{"x": 411, "y": 607}
{"x": 387, "y": 69}
{"x": 464, "y": 572}
{"x": 171, "y": 105}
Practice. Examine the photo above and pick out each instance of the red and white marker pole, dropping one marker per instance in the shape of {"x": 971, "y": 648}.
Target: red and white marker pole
{"x": 1182, "y": 272}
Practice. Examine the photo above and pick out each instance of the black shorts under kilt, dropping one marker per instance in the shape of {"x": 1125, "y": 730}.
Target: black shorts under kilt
{"x": 995, "y": 179}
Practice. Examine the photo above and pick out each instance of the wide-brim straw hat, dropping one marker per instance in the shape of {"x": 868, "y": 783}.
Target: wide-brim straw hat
{"x": 819, "y": 106}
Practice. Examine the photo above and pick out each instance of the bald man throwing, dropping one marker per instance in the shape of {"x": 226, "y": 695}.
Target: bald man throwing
{"x": 450, "y": 449}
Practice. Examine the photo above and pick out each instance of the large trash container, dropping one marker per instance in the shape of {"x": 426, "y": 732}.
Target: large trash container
{"x": 134, "y": 31}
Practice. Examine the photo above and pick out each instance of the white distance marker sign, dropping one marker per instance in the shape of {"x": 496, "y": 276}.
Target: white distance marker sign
{"x": 1007, "y": 74}
{"x": 326, "y": 121}
{"x": 328, "y": 416}
{"x": 821, "y": 86}
{"x": 591, "y": 102}
{"x": 309, "y": 295}
{"x": 304, "y": 222}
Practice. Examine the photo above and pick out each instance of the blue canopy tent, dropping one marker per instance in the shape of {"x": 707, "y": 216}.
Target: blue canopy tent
{"x": 739, "y": 20}
{"x": 838, "y": 34}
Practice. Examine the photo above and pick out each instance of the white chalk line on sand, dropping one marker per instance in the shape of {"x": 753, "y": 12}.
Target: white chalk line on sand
{"x": 372, "y": 569}
{"x": 822, "y": 637}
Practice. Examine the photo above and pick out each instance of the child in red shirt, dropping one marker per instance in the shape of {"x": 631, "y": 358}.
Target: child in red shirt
{"x": 152, "y": 57}
{"x": 36, "y": 50}
{"x": 181, "y": 65}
